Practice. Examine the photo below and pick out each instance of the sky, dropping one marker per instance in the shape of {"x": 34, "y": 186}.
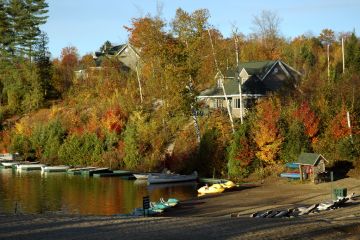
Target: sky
{"x": 87, "y": 24}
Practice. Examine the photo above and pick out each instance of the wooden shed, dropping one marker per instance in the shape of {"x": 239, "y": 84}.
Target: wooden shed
{"x": 311, "y": 166}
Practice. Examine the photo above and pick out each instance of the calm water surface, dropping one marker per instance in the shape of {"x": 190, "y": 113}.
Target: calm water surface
{"x": 33, "y": 192}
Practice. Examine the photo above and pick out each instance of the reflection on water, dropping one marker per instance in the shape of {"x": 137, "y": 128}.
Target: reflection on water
{"x": 33, "y": 192}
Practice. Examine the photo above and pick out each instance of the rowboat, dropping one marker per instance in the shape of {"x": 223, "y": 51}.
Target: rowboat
{"x": 141, "y": 176}
{"x": 167, "y": 178}
{"x": 54, "y": 168}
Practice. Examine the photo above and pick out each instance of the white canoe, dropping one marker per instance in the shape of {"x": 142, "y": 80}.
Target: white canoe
{"x": 169, "y": 178}
{"x": 144, "y": 176}
{"x": 54, "y": 168}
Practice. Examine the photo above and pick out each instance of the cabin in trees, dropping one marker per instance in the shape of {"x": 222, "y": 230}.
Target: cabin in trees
{"x": 254, "y": 79}
{"x": 312, "y": 166}
{"x": 126, "y": 55}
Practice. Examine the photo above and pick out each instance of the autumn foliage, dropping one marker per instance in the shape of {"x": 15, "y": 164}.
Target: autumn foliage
{"x": 308, "y": 117}
{"x": 265, "y": 131}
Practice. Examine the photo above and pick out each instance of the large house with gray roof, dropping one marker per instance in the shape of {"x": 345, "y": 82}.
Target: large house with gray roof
{"x": 125, "y": 53}
{"x": 256, "y": 79}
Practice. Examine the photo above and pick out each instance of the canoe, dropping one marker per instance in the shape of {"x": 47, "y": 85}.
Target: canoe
{"x": 141, "y": 176}
{"x": 292, "y": 165}
{"x": 29, "y": 167}
{"x": 290, "y": 175}
{"x": 144, "y": 176}
{"x": 168, "y": 178}
{"x": 54, "y": 168}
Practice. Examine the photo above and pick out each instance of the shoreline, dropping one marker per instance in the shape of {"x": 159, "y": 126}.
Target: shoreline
{"x": 207, "y": 217}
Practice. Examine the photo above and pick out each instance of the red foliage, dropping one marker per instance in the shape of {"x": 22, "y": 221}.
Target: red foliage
{"x": 246, "y": 154}
{"x": 307, "y": 116}
{"x": 339, "y": 126}
{"x": 69, "y": 57}
{"x": 114, "y": 120}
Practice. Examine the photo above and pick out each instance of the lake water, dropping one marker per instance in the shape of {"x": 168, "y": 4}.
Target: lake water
{"x": 33, "y": 192}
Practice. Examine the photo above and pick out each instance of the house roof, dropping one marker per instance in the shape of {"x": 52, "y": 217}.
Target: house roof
{"x": 255, "y": 84}
{"x": 251, "y": 86}
{"x": 309, "y": 158}
{"x": 259, "y": 68}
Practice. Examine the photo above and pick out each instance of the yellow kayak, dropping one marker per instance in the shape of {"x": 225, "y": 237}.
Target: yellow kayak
{"x": 215, "y": 188}
{"x": 228, "y": 184}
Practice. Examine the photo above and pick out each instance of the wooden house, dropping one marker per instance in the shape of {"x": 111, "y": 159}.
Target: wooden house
{"x": 256, "y": 80}
{"x": 311, "y": 166}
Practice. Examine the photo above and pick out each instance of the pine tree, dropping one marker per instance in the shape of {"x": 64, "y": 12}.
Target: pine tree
{"x": 25, "y": 17}
{"x": 5, "y": 31}
{"x": 37, "y": 10}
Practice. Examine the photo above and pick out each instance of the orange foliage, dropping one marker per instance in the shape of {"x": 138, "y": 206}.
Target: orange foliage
{"x": 311, "y": 122}
{"x": 246, "y": 154}
{"x": 265, "y": 131}
{"x": 114, "y": 120}
{"x": 338, "y": 125}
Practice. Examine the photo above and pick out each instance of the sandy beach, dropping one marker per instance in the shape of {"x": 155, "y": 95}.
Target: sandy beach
{"x": 208, "y": 217}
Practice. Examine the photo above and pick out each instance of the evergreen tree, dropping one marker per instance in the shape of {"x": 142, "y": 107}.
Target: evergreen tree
{"x": 5, "y": 31}
{"x": 37, "y": 10}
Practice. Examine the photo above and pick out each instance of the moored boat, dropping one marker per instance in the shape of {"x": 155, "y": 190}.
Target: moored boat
{"x": 9, "y": 164}
{"x": 78, "y": 170}
{"x": 54, "y": 168}
{"x": 29, "y": 167}
{"x": 168, "y": 178}
{"x": 91, "y": 172}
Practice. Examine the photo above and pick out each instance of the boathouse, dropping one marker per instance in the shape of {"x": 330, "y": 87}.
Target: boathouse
{"x": 311, "y": 166}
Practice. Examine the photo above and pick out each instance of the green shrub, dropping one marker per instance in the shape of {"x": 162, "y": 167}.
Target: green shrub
{"x": 83, "y": 150}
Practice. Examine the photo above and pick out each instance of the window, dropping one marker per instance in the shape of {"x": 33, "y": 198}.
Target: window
{"x": 276, "y": 70}
{"x": 218, "y": 103}
{"x": 237, "y": 103}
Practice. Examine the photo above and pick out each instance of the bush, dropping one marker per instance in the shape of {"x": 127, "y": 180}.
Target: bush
{"x": 83, "y": 150}
{"x": 47, "y": 139}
